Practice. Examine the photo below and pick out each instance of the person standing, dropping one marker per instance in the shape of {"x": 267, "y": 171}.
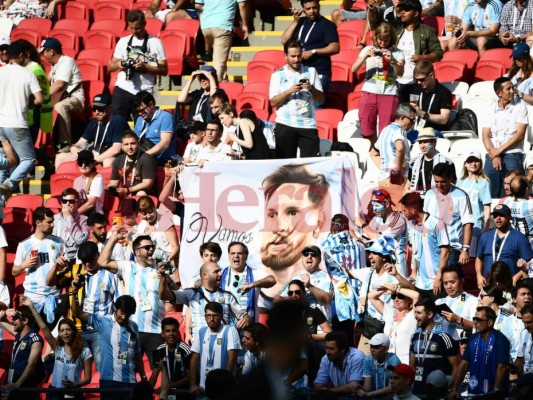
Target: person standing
{"x": 524, "y": 358}
{"x": 23, "y": 89}
{"x": 318, "y": 37}
{"x": 294, "y": 89}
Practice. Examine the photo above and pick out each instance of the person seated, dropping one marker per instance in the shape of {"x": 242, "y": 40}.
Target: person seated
{"x": 90, "y": 185}
{"x": 101, "y": 136}
{"x": 512, "y": 29}
{"x": 215, "y": 149}
{"x": 197, "y": 136}
{"x": 480, "y": 26}
{"x": 431, "y": 100}
{"x": 453, "y": 14}
{"x": 198, "y": 100}
{"x": 175, "y": 10}
{"x": 521, "y": 72}
{"x": 16, "y": 11}
{"x": 133, "y": 172}
{"x": 433, "y": 8}
{"x": 346, "y": 13}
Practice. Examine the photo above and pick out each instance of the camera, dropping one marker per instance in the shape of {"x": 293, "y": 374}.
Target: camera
{"x": 81, "y": 281}
{"x": 378, "y": 53}
{"x": 128, "y": 67}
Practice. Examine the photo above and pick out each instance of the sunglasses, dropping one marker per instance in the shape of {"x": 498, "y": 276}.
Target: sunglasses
{"x": 99, "y": 109}
{"x": 147, "y": 247}
{"x": 477, "y": 319}
{"x": 397, "y": 296}
{"x": 81, "y": 163}
{"x": 236, "y": 282}
{"x": 68, "y": 201}
{"x": 482, "y": 296}
{"x": 291, "y": 292}
{"x": 309, "y": 253}
{"x": 409, "y": 118}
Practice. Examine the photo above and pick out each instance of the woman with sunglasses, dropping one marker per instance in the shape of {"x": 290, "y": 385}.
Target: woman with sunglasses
{"x": 400, "y": 322}
{"x": 476, "y": 184}
{"x": 159, "y": 225}
{"x": 521, "y": 72}
{"x": 90, "y": 185}
{"x": 492, "y": 296}
{"x": 384, "y": 63}
{"x": 71, "y": 356}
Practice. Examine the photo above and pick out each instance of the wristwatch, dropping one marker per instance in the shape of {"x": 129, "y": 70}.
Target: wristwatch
{"x": 313, "y": 51}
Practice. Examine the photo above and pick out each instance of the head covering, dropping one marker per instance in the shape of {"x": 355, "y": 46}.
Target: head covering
{"x": 474, "y": 153}
{"x": 127, "y": 207}
{"x": 86, "y": 156}
{"x": 520, "y": 50}
{"x": 384, "y": 245}
{"x": 5, "y": 41}
{"x": 313, "y": 249}
{"x": 408, "y": 5}
{"x": 208, "y": 68}
{"x": 404, "y": 370}
{"x": 381, "y": 195}
{"x": 51, "y": 43}
{"x": 379, "y": 339}
{"x": 501, "y": 209}
{"x": 437, "y": 379}
{"x": 426, "y": 134}
{"x": 101, "y": 100}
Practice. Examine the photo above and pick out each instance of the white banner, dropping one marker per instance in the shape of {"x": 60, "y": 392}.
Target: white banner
{"x": 275, "y": 207}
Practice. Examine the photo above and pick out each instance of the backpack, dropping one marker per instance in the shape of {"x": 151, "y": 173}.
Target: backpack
{"x": 466, "y": 120}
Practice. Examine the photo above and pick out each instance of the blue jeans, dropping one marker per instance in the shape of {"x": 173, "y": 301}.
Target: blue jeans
{"x": 509, "y": 162}
{"x": 22, "y": 144}
{"x": 92, "y": 341}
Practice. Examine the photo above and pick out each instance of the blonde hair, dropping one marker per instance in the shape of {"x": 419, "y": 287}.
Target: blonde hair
{"x": 145, "y": 203}
{"x": 385, "y": 30}
{"x": 479, "y": 173}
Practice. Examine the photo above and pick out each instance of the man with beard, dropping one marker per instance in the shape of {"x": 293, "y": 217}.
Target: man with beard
{"x": 295, "y": 200}
{"x": 243, "y": 281}
{"x": 141, "y": 281}
{"x": 36, "y": 256}
{"x": 341, "y": 369}
{"x": 431, "y": 347}
{"x": 513, "y": 325}
{"x": 197, "y": 298}
{"x": 98, "y": 234}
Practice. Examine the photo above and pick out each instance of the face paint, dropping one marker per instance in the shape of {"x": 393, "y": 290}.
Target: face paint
{"x": 377, "y": 206}
{"x": 429, "y": 146}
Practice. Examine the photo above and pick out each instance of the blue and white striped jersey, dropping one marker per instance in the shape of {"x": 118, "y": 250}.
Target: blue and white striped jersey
{"x": 67, "y": 369}
{"x": 387, "y": 149}
{"x": 512, "y": 326}
{"x": 463, "y": 305}
{"x": 522, "y": 213}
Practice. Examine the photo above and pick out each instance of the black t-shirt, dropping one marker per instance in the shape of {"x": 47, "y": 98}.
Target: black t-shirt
{"x": 316, "y": 35}
{"x": 178, "y": 360}
{"x": 440, "y": 98}
{"x": 144, "y": 168}
{"x": 313, "y": 318}
{"x": 199, "y": 105}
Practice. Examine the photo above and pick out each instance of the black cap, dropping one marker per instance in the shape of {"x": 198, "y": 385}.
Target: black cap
{"x": 198, "y": 126}
{"x": 87, "y": 251}
{"x": 408, "y": 5}
{"x": 127, "y": 207}
{"x": 101, "y": 100}
{"x": 313, "y": 249}
{"x": 87, "y": 156}
{"x": 501, "y": 209}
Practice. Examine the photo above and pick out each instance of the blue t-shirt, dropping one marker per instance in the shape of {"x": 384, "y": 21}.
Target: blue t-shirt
{"x": 515, "y": 246}
{"x": 378, "y": 372}
{"x": 162, "y": 121}
{"x": 483, "y": 357}
{"x": 218, "y": 14}
{"x": 483, "y": 18}
{"x": 103, "y": 136}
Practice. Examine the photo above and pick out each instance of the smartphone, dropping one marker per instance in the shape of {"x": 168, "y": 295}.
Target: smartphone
{"x": 117, "y": 221}
{"x": 156, "y": 356}
{"x": 443, "y": 307}
{"x": 458, "y": 33}
{"x": 304, "y": 81}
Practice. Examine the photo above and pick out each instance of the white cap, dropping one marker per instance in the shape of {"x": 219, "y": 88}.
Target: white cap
{"x": 379, "y": 339}
{"x": 473, "y": 153}
{"x": 4, "y": 40}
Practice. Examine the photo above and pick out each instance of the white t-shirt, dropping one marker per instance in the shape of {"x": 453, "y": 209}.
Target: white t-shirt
{"x": 502, "y": 124}
{"x": 219, "y": 153}
{"x": 67, "y": 70}
{"x": 407, "y": 45}
{"x": 17, "y": 85}
{"x": 4, "y": 298}
{"x": 192, "y": 150}
{"x": 399, "y": 332}
{"x": 139, "y": 81}
{"x": 97, "y": 189}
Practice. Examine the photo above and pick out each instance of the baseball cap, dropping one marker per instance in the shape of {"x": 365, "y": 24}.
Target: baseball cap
{"x": 87, "y": 251}
{"x": 313, "y": 249}
{"x": 5, "y": 41}
{"x": 437, "y": 379}
{"x": 464, "y": 336}
{"x": 404, "y": 370}
{"x": 520, "y": 50}
{"x": 379, "y": 339}
{"x": 408, "y": 5}
{"x": 381, "y": 195}
{"x": 127, "y": 207}
{"x": 474, "y": 153}
{"x": 208, "y": 68}
{"x": 87, "y": 156}
{"x": 101, "y": 100}
{"x": 501, "y": 209}
{"x": 50, "y": 43}
{"x": 384, "y": 245}
{"x": 198, "y": 126}
{"x": 426, "y": 134}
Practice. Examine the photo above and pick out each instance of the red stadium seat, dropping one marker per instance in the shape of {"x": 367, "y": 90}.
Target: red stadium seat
{"x": 232, "y": 89}
{"x": 437, "y": 23}
{"x": 68, "y": 167}
{"x": 488, "y": 71}
{"x": 99, "y": 40}
{"x": 124, "y": 3}
{"x": 77, "y": 10}
{"x": 467, "y": 56}
{"x": 254, "y": 101}
{"x": 346, "y": 56}
{"x": 16, "y": 232}
{"x": 33, "y": 37}
{"x": 60, "y": 182}
{"x": 449, "y": 71}
{"x": 106, "y": 174}
{"x": 325, "y": 131}
{"x": 257, "y": 87}
{"x": 260, "y": 71}
{"x": 175, "y": 44}
{"x": 191, "y": 27}
{"x": 91, "y": 89}
{"x": 331, "y": 116}
{"x": 29, "y": 201}
{"x": 142, "y": 5}
{"x": 348, "y": 41}
{"x": 109, "y": 25}
{"x": 89, "y": 3}
{"x": 341, "y": 72}
{"x": 41, "y": 25}
{"x": 261, "y": 114}
{"x": 68, "y": 39}
{"x": 276, "y": 57}
{"x": 503, "y": 56}
{"x": 91, "y": 70}
{"x": 102, "y": 55}
{"x": 78, "y": 26}
{"x": 154, "y": 26}
{"x": 107, "y": 10}
{"x": 353, "y": 100}
{"x": 17, "y": 214}
{"x": 54, "y": 203}
{"x": 356, "y": 27}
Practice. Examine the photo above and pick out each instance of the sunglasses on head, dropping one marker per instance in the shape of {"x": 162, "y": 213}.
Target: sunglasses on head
{"x": 147, "y": 247}
{"x": 291, "y": 292}
{"x": 397, "y": 296}
{"x": 69, "y": 201}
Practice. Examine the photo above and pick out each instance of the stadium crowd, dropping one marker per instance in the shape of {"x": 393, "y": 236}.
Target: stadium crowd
{"x": 427, "y": 293}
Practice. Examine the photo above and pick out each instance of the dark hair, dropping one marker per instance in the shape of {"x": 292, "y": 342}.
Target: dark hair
{"x": 302, "y": 2}
{"x": 126, "y": 303}
{"x": 519, "y": 186}
{"x": 129, "y": 134}
{"x": 527, "y": 309}
{"x": 33, "y": 53}
{"x": 26, "y": 313}
{"x": 136, "y": 243}
{"x": 413, "y": 199}
{"x": 298, "y": 283}
{"x": 428, "y": 304}
{"x": 169, "y": 321}
{"x": 339, "y": 337}
{"x": 96, "y": 218}
{"x": 489, "y": 312}
{"x": 248, "y": 114}
{"x": 136, "y": 15}
{"x": 213, "y": 247}
{"x": 77, "y": 340}
{"x": 70, "y": 192}
{"x": 519, "y": 285}
{"x": 214, "y": 306}
{"x": 500, "y": 272}
{"x": 341, "y": 219}
{"x": 298, "y": 173}
{"x": 444, "y": 169}
{"x": 499, "y": 82}
{"x": 258, "y": 332}
{"x": 496, "y": 292}
{"x": 217, "y": 123}
{"x": 41, "y": 213}
{"x": 453, "y": 268}
{"x": 219, "y": 384}
{"x": 220, "y": 94}
{"x": 244, "y": 247}
{"x": 292, "y": 44}
{"x": 143, "y": 97}
{"x": 16, "y": 48}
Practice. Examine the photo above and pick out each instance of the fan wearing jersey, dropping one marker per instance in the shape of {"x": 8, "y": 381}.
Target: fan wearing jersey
{"x": 71, "y": 356}
{"x": 524, "y": 358}
{"x": 513, "y": 326}
{"x": 521, "y": 206}
{"x": 119, "y": 342}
